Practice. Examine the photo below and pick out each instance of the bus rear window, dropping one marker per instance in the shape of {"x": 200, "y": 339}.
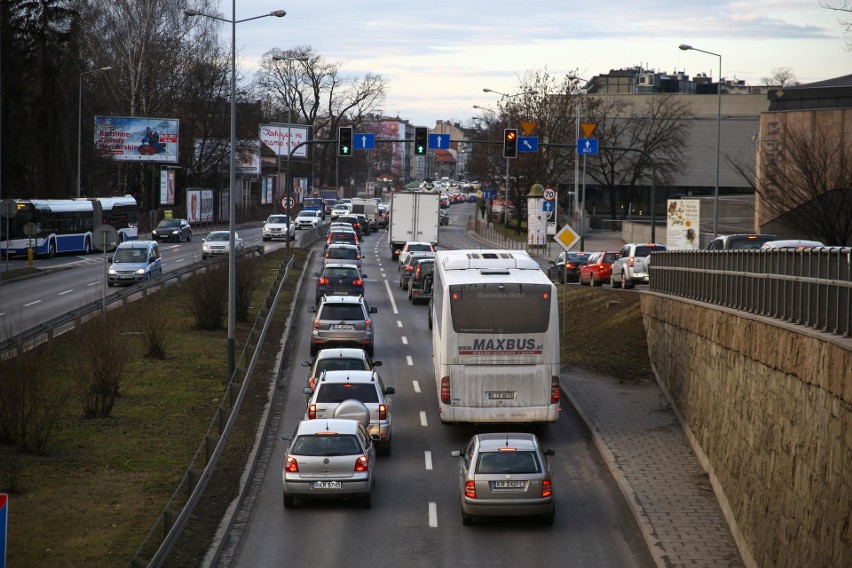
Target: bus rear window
{"x": 500, "y": 308}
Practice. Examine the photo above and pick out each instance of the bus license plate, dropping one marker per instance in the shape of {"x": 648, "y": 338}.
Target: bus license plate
{"x": 327, "y": 485}
{"x": 501, "y": 395}
{"x": 508, "y": 484}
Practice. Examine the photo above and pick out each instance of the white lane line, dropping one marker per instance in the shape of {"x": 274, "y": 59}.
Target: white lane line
{"x": 32, "y": 303}
{"x": 428, "y": 456}
{"x": 390, "y": 295}
{"x": 423, "y": 421}
{"x": 416, "y": 386}
{"x": 398, "y": 323}
{"x": 409, "y": 360}
{"x": 94, "y": 284}
{"x": 433, "y": 515}
{"x": 65, "y": 292}
{"x": 404, "y": 340}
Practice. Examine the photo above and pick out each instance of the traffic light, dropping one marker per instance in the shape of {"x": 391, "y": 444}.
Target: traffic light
{"x": 510, "y": 143}
{"x": 421, "y": 140}
{"x": 344, "y": 141}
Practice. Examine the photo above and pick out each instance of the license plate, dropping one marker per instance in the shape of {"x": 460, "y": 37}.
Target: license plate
{"x": 125, "y": 277}
{"x": 342, "y": 326}
{"x": 509, "y": 484}
{"x": 326, "y": 485}
{"x": 501, "y": 395}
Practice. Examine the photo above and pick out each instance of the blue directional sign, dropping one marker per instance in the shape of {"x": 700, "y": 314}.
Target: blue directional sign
{"x": 364, "y": 141}
{"x": 439, "y": 141}
{"x": 548, "y": 206}
{"x": 587, "y": 146}
{"x": 489, "y": 194}
{"x": 528, "y": 144}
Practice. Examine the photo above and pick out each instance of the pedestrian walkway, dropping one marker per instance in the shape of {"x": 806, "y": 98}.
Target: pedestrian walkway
{"x": 648, "y": 454}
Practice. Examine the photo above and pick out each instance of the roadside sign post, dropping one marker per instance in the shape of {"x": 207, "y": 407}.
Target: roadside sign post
{"x": 105, "y": 238}
{"x": 8, "y": 209}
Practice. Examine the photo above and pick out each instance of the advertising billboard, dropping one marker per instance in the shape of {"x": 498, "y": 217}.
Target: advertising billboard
{"x": 167, "y": 187}
{"x": 282, "y": 138}
{"x": 682, "y": 222}
{"x": 199, "y": 205}
{"x": 137, "y": 139}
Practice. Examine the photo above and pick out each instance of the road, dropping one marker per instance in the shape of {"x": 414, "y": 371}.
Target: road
{"x": 415, "y": 520}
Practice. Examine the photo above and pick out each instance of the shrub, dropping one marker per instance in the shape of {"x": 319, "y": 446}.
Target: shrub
{"x": 210, "y": 296}
{"x": 247, "y": 281}
{"x": 153, "y": 321}
{"x": 103, "y": 356}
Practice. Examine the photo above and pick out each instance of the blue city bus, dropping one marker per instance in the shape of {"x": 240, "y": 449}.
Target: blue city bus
{"x": 66, "y": 225}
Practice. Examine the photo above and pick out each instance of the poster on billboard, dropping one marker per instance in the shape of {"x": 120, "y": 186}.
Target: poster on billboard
{"x": 167, "y": 187}
{"x": 266, "y": 189}
{"x": 282, "y": 138}
{"x": 137, "y": 139}
{"x": 193, "y": 205}
{"x": 683, "y": 217}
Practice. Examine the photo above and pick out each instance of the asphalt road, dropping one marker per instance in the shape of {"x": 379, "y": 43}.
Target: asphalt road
{"x": 415, "y": 519}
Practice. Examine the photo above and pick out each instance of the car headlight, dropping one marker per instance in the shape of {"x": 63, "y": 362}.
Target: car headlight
{"x": 205, "y": 247}
{"x": 175, "y": 232}
{"x": 112, "y": 272}
{"x": 140, "y": 272}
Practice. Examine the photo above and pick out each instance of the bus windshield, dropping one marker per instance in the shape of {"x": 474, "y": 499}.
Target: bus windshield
{"x": 500, "y": 308}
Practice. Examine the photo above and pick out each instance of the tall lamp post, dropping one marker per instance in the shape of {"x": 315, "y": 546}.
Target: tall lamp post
{"x": 80, "y": 126}
{"x": 577, "y": 195}
{"x": 288, "y": 185}
{"x": 232, "y": 256}
{"x": 685, "y": 47}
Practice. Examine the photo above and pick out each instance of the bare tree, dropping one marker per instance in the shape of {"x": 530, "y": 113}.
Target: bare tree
{"x": 845, "y": 9}
{"x": 780, "y": 77}
{"x": 805, "y": 180}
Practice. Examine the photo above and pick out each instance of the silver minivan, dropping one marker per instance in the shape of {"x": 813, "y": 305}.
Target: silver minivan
{"x": 135, "y": 261}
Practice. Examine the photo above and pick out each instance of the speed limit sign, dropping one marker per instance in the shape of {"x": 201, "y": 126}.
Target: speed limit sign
{"x": 549, "y": 194}
{"x": 288, "y": 202}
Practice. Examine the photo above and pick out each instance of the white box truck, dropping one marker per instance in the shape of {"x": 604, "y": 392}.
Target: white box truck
{"x": 367, "y": 206}
{"x": 413, "y": 217}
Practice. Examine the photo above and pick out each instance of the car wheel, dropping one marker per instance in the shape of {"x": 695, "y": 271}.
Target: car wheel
{"x": 467, "y": 520}
{"x": 367, "y": 500}
{"x": 410, "y": 297}
{"x": 626, "y": 282}
{"x": 548, "y": 519}
{"x": 593, "y": 281}
{"x": 430, "y": 317}
{"x": 583, "y": 283}
{"x": 613, "y": 283}
{"x": 51, "y": 249}
{"x": 189, "y": 237}
{"x": 289, "y": 501}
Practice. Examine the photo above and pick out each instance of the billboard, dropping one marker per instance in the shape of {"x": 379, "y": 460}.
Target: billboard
{"x": 682, "y": 222}
{"x": 282, "y": 138}
{"x": 199, "y": 205}
{"x": 137, "y": 139}
{"x": 167, "y": 187}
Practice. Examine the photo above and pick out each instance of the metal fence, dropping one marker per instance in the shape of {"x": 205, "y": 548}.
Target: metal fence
{"x": 809, "y": 287}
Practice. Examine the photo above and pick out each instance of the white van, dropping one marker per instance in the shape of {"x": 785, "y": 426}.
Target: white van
{"x": 135, "y": 261}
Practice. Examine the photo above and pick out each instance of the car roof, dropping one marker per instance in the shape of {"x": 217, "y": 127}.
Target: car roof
{"x": 343, "y": 299}
{"x": 342, "y": 352}
{"x": 344, "y": 246}
{"x": 418, "y": 243}
{"x": 136, "y": 244}
{"x": 494, "y": 441}
{"x": 340, "y": 265}
{"x": 339, "y": 425}
{"x": 348, "y": 377}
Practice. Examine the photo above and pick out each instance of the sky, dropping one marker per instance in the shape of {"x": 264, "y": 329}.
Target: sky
{"x": 437, "y": 56}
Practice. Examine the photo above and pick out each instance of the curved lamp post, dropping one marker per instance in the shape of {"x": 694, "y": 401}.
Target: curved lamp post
{"x": 232, "y": 256}
{"x": 685, "y": 47}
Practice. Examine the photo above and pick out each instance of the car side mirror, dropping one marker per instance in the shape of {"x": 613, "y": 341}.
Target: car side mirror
{"x": 363, "y": 276}
{"x": 377, "y": 363}
{"x": 315, "y": 274}
{"x": 312, "y": 309}
{"x": 551, "y": 262}
{"x": 306, "y": 363}
{"x": 549, "y": 453}
{"x": 285, "y": 437}
{"x": 456, "y": 453}
{"x": 390, "y": 390}
{"x": 308, "y": 391}
{"x": 374, "y": 310}
{"x": 109, "y": 259}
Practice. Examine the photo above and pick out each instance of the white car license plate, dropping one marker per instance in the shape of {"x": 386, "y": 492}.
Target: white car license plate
{"x": 501, "y": 395}
{"x": 509, "y": 484}
{"x": 326, "y": 485}
{"x": 125, "y": 277}
{"x": 342, "y": 326}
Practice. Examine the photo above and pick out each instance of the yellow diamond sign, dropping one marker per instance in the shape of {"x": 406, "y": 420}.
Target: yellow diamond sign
{"x": 567, "y": 237}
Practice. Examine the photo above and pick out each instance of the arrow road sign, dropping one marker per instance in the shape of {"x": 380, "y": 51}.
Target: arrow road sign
{"x": 439, "y": 141}
{"x": 528, "y": 144}
{"x": 548, "y": 206}
{"x": 364, "y": 141}
{"x": 587, "y": 146}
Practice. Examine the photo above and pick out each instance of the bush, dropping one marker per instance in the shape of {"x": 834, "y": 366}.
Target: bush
{"x": 103, "y": 356}
{"x": 247, "y": 281}
{"x": 210, "y": 296}
{"x": 153, "y": 321}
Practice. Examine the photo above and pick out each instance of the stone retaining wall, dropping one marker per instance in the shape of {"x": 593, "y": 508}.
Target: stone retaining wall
{"x": 768, "y": 407}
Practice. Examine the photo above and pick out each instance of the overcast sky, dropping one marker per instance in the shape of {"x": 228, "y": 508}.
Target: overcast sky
{"x": 437, "y": 56}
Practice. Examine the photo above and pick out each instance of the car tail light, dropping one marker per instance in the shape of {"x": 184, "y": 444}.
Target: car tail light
{"x": 312, "y": 383}
{"x": 470, "y": 489}
{"x": 312, "y": 412}
{"x": 323, "y": 281}
{"x": 361, "y": 464}
{"x": 291, "y": 465}
{"x": 409, "y": 268}
{"x": 316, "y": 324}
{"x": 570, "y": 265}
{"x": 445, "y": 390}
{"x": 369, "y": 323}
{"x": 383, "y": 412}
{"x": 546, "y": 488}
{"x": 358, "y": 282}
{"x": 630, "y": 262}
{"x": 554, "y": 390}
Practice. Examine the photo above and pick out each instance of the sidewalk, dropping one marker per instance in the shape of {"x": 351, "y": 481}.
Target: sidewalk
{"x": 648, "y": 454}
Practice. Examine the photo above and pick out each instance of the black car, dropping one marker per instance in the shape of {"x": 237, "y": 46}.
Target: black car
{"x": 342, "y": 237}
{"x": 566, "y": 267}
{"x": 354, "y": 221}
{"x": 339, "y": 280}
{"x": 408, "y": 268}
{"x": 417, "y": 289}
{"x": 172, "y": 230}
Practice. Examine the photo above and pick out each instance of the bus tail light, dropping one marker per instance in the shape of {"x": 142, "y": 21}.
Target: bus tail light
{"x": 445, "y": 390}
{"x": 554, "y": 390}
{"x": 383, "y": 412}
{"x": 546, "y": 488}
{"x": 470, "y": 489}
{"x": 291, "y": 466}
{"x": 312, "y": 412}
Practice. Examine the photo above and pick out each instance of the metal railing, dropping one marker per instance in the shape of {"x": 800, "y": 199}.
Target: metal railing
{"x": 810, "y": 287}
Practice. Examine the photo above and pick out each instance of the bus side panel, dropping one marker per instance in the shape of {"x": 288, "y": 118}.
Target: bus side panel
{"x": 71, "y": 243}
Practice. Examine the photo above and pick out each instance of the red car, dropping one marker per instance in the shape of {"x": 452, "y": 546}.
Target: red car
{"x": 597, "y": 270}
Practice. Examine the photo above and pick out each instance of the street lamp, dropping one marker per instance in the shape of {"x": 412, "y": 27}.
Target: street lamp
{"x": 506, "y": 197}
{"x": 232, "y": 256}
{"x": 80, "y": 125}
{"x": 685, "y": 47}
{"x": 288, "y": 192}
{"x": 580, "y": 210}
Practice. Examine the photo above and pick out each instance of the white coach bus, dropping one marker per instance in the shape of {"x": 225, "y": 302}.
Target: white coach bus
{"x": 495, "y": 337}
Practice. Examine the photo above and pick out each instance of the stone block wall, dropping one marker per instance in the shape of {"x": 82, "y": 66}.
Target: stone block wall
{"x": 769, "y": 407}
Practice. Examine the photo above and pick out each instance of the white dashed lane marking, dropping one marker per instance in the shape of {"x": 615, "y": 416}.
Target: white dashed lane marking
{"x": 423, "y": 421}
{"x": 428, "y": 457}
{"x": 409, "y": 360}
{"x": 433, "y": 515}
{"x": 404, "y": 340}
{"x": 416, "y": 386}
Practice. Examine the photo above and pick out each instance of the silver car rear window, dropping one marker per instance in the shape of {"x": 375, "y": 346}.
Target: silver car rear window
{"x": 313, "y": 445}
{"x": 508, "y": 462}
